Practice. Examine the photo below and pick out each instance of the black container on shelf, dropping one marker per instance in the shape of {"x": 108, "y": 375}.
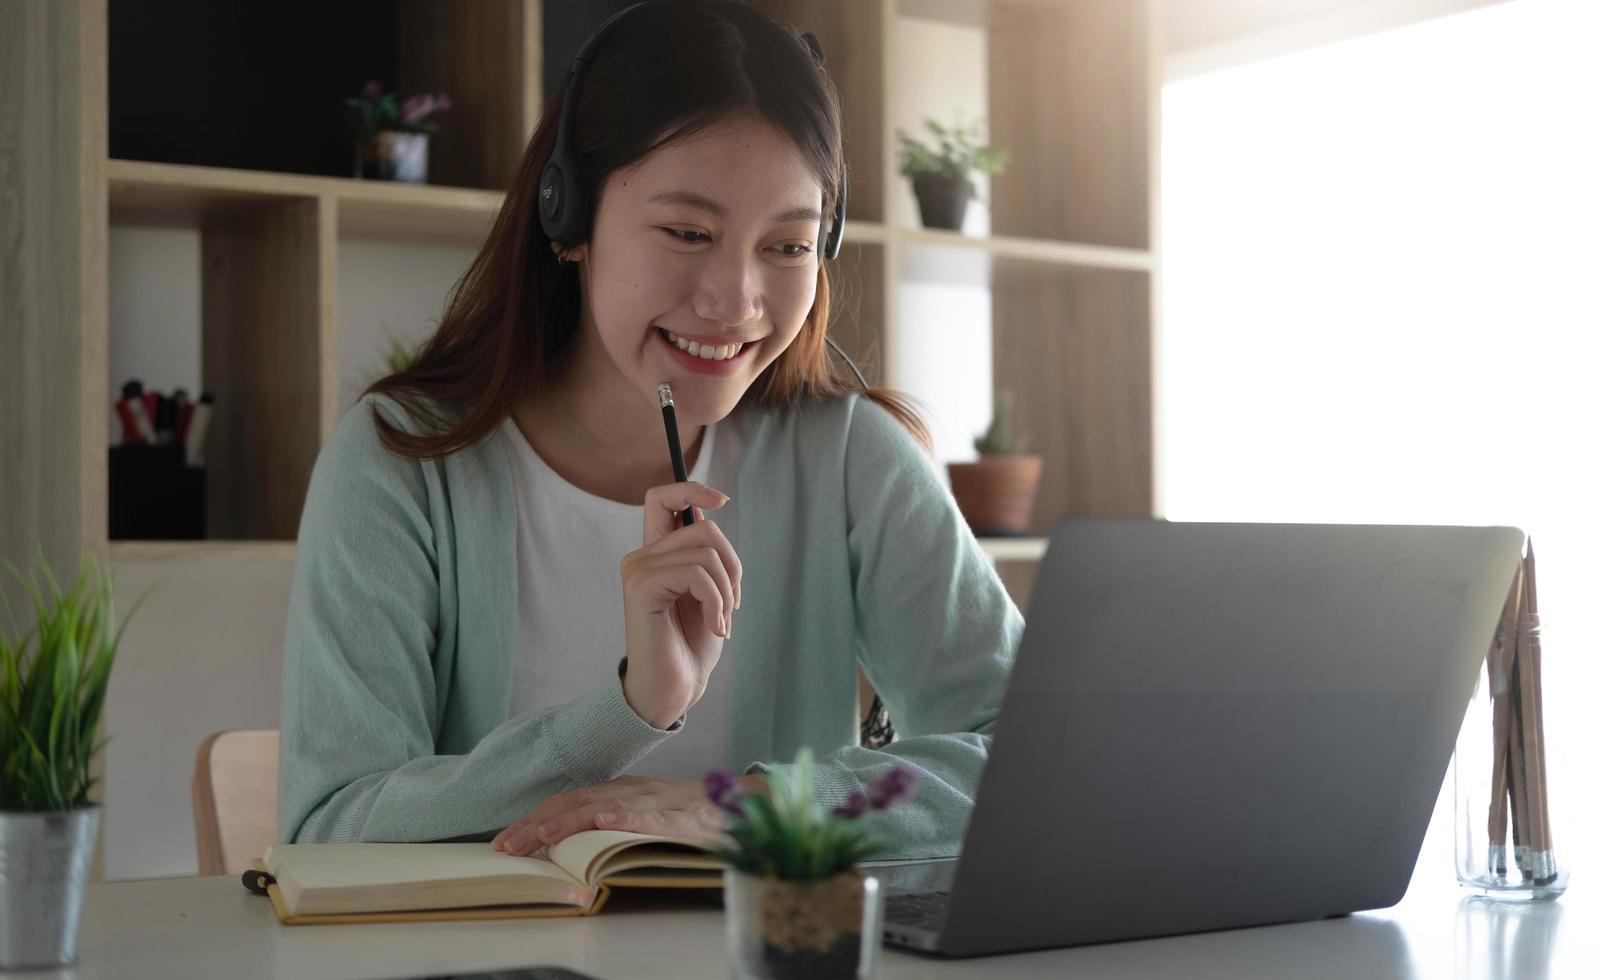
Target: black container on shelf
{"x": 154, "y": 496}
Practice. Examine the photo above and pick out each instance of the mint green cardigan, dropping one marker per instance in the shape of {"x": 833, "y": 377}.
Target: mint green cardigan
{"x": 402, "y": 632}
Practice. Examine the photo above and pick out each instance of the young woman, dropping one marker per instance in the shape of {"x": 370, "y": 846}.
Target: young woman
{"x": 463, "y": 660}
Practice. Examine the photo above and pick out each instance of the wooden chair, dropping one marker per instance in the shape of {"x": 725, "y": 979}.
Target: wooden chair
{"x": 235, "y": 799}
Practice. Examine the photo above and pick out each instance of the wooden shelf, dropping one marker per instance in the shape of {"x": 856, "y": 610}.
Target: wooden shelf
{"x": 1073, "y": 254}
{"x": 201, "y": 550}
{"x": 187, "y": 196}
{"x": 1014, "y": 549}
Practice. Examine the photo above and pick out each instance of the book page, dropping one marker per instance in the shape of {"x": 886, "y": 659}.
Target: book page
{"x": 370, "y": 877}
{"x": 589, "y": 855}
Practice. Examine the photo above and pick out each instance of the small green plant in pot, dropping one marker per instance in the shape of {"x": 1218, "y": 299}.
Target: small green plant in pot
{"x": 53, "y": 681}
{"x": 941, "y": 174}
{"x": 996, "y": 493}
{"x": 797, "y": 904}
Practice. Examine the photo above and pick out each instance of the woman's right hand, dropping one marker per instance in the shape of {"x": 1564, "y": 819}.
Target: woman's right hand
{"x": 676, "y": 590}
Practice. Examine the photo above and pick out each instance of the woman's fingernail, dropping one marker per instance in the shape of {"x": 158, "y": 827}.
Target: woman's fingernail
{"x": 723, "y": 630}
{"x": 605, "y": 818}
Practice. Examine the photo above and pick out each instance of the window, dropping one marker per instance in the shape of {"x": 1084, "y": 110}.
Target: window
{"x": 1380, "y": 261}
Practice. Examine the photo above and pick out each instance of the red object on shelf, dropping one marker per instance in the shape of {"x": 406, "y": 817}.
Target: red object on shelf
{"x": 185, "y": 415}
{"x": 130, "y": 425}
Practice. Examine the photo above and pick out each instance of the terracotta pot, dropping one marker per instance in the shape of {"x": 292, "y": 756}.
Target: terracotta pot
{"x": 942, "y": 201}
{"x": 996, "y": 493}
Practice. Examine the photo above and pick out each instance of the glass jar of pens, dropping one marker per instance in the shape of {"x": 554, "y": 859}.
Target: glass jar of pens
{"x": 1503, "y": 834}
{"x": 157, "y": 472}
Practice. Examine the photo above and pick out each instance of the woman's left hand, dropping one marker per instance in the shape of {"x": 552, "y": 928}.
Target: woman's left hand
{"x": 668, "y": 807}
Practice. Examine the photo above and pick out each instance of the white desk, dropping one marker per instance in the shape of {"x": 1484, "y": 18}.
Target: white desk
{"x": 212, "y": 927}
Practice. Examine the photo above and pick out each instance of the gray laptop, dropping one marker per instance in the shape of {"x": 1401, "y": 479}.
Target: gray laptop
{"x": 1214, "y": 725}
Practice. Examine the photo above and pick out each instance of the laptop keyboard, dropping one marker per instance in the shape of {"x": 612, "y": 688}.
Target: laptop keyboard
{"x": 923, "y": 910}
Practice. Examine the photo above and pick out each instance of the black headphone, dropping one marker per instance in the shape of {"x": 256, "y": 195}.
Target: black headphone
{"x": 563, "y": 205}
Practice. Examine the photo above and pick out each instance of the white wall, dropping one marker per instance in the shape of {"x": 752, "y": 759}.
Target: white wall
{"x": 400, "y": 289}
{"x": 155, "y": 312}
{"x": 203, "y": 653}
{"x": 1210, "y": 35}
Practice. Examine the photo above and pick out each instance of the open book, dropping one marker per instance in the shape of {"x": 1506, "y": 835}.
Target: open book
{"x": 388, "y": 882}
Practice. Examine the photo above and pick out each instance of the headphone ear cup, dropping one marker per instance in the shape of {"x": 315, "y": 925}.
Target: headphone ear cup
{"x": 834, "y": 241}
{"x": 560, "y": 206}
{"x": 814, "y": 44}
{"x": 550, "y": 196}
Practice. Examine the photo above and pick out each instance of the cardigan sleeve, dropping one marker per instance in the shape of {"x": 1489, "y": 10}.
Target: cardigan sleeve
{"x": 362, "y": 700}
{"x": 938, "y": 632}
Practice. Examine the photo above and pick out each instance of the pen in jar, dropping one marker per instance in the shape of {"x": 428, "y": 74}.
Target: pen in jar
{"x": 668, "y": 411}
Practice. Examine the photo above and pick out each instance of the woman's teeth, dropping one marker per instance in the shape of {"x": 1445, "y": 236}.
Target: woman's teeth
{"x": 708, "y": 353}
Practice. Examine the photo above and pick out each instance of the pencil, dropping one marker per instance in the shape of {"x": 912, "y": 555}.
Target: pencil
{"x": 1499, "y": 660}
{"x": 668, "y": 411}
{"x": 1529, "y": 645}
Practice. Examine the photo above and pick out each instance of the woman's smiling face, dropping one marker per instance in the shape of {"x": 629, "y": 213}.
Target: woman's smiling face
{"x": 713, "y": 239}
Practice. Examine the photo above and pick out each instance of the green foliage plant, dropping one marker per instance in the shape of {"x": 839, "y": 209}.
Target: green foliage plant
{"x": 53, "y": 682}
{"x": 957, "y": 154}
{"x": 399, "y": 355}
{"x": 1001, "y": 439}
{"x": 784, "y": 834}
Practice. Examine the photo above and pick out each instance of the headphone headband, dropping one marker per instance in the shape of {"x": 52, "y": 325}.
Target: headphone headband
{"x": 563, "y": 203}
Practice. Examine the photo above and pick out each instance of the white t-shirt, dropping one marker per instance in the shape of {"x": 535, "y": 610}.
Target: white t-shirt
{"x": 569, "y": 547}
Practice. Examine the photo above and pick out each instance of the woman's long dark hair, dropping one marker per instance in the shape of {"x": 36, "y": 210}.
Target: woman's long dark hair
{"x": 664, "y": 72}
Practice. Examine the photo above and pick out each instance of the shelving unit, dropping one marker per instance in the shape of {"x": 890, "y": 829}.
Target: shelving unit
{"x": 1071, "y": 260}
{"x": 189, "y": 196}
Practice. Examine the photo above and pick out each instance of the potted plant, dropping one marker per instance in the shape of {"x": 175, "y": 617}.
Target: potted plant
{"x": 390, "y": 137}
{"x": 941, "y": 176}
{"x": 52, "y": 686}
{"x": 399, "y": 356}
{"x": 996, "y": 493}
{"x": 797, "y": 904}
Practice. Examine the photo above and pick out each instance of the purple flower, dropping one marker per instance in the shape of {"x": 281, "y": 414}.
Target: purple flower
{"x": 857, "y": 805}
{"x": 419, "y": 107}
{"x": 373, "y": 90}
{"x": 721, "y": 786}
{"x": 416, "y": 107}
{"x": 894, "y": 786}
